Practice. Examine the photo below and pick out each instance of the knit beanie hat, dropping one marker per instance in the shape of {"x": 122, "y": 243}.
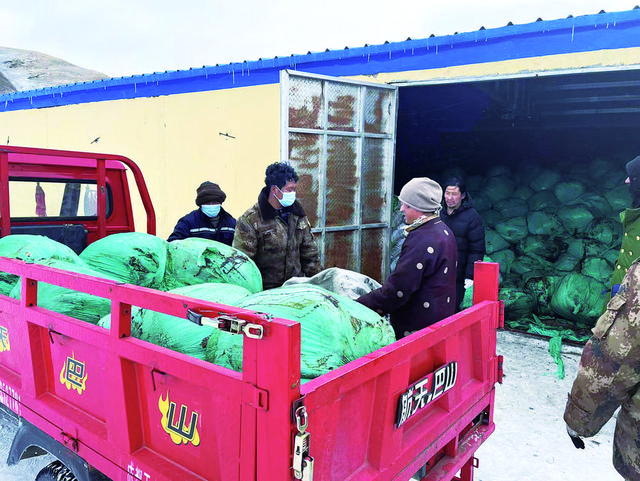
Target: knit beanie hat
{"x": 422, "y": 194}
{"x": 633, "y": 171}
{"x": 209, "y": 192}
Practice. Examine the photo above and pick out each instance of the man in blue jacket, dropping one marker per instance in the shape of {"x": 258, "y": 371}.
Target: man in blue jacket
{"x": 210, "y": 220}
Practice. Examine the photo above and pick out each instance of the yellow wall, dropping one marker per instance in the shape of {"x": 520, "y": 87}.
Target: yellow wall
{"x": 552, "y": 63}
{"x": 177, "y": 143}
{"x": 174, "y": 139}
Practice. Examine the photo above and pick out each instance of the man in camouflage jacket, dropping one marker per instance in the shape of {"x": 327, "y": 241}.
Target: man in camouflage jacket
{"x": 609, "y": 377}
{"x": 276, "y": 232}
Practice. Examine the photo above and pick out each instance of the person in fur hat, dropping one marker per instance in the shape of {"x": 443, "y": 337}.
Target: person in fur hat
{"x": 210, "y": 220}
{"x": 422, "y": 289}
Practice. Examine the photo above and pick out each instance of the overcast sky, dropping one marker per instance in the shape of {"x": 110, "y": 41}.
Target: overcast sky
{"x": 128, "y": 37}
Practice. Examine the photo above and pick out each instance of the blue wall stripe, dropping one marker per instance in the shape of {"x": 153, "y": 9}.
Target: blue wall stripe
{"x": 571, "y": 35}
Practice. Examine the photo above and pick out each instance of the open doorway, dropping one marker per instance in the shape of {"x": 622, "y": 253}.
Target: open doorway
{"x": 543, "y": 158}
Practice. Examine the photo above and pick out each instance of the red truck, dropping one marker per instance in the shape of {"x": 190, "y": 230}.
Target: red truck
{"x": 110, "y": 406}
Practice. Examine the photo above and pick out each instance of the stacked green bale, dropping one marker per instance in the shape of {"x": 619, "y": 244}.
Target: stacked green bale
{"x": 77, "y": 304}
{"x": 180, "y": 334}
{"x": 548, "y": 224}
{"x": 131, "y": 257}
{"x": 31, "y": 248}
{"x": 334, "y": 329}
{"x": 195, "y": 261}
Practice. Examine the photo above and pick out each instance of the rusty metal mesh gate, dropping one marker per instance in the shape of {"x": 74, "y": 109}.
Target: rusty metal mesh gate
{"x": 340, "y": 137}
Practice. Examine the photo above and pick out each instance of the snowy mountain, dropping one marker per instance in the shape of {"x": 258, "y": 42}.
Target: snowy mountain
{"x": 28, "y": 70}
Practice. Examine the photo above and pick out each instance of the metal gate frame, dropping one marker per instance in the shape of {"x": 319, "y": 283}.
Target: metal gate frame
{"x": 321, "y": 229}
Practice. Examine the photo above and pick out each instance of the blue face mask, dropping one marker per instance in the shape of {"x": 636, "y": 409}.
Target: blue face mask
{"x": 288, "y": 198}
{"x": 210, "y": 210}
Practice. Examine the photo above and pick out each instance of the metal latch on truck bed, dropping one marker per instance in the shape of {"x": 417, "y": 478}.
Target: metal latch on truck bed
{"x": 302, "y": 462}
{"x": 227, "y": 323}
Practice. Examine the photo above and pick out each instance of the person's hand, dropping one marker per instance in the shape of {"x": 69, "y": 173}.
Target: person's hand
{"x": 468, "y": 283}
{"x": 575, "y": 438}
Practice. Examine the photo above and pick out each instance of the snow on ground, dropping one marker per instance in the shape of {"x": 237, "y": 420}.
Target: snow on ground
{"x": 530, "y": 441}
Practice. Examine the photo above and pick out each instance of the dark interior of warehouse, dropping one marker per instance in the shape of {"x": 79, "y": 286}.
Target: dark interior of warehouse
{"x": 511, "y": 138}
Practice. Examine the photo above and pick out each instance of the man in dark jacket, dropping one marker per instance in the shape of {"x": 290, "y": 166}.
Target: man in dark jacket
{"x": 210, "y": 220}
{"x": 467, "y": 226}
{"x": 422, "y": 288}
{"x": 276, "y": 232}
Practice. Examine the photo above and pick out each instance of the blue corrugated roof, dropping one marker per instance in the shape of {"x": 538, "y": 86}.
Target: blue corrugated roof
{"x": 539, "y": 38}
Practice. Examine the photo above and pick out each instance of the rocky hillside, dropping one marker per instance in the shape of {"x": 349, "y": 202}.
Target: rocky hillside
{"x": 28, "y": 70}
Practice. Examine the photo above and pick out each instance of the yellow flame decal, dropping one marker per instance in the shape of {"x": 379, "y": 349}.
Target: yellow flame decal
{"x": 4, "y": 339}
{"x": 73, "y": 375}
{"x": 176, "y": 425}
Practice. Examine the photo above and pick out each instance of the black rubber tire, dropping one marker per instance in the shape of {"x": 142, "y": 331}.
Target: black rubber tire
{"x": 55, "y": 471}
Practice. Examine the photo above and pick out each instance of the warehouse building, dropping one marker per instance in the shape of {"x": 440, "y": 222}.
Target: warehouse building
{"x": 552, "y": 101}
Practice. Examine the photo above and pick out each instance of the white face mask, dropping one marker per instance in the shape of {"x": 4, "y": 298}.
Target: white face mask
{"x": 210, "y": 210}
{"x": 288, "y": 198}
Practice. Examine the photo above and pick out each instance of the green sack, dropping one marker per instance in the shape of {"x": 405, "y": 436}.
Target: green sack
{"x": 580, "y": 298}
{"x": 490, "y": 218}
{"x": 604, "y": 230}
{"x": 544, "y": 223}
{"x": 334, "y": 329}
{"x": 596, "y": 203}
{"x": 525, "y": 264}
{"x": 545, "y": 180}
{"x": 31, "y": 248}
{"x": 498, "y": 187}
{"x": 618, "y": 198}
{"x": 77, "y": 304}
{"x": 568, "y": 191}
{"x": 505, "y": 258}
{"x": 481, "y": 201}
{"x": 493, "y": 241}
{"x": 517, "y": 304}
{"x": 132, "y": 257}
{"x": 522, "y": 192}
{"x": 509, "y": 208}
{"x": 541, "y": 289}
{"x": 598, "y": 268}
{"x": 541, "y": 200}
{"x": 195, "y": 261}
{"x": 180, "y": 334}
{"x": 540, "y": 246}
{"x": 513, "y": 230}
{"x": 574, "y": 217}
{"x": 566, "y": 263}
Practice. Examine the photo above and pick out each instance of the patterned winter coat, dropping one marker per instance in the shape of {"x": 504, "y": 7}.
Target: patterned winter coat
{"x": 197, "y": 224}
{"x": 422, "y": 288}
{"x": 280, "y": 250}
{"x": 630, "y": 249}
{"x": 609, "y": 377}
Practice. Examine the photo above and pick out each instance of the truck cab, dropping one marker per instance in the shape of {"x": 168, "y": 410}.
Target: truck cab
{"x": 71, "y": 197}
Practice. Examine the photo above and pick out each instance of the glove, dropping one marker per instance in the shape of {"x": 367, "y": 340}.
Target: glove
{"x": 468, "y": 283}
{"x": 575, "y": 438}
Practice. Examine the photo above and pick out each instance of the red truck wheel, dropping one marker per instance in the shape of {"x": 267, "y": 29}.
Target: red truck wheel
{"x": 55, "y": 471}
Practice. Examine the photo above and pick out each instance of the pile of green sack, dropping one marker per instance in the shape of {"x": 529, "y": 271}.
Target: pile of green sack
{"x": 556, "y": 233}
{"x": 335, "y": 329}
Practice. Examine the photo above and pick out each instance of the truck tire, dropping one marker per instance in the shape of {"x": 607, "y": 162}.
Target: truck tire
{"x": 55, "y": 471}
